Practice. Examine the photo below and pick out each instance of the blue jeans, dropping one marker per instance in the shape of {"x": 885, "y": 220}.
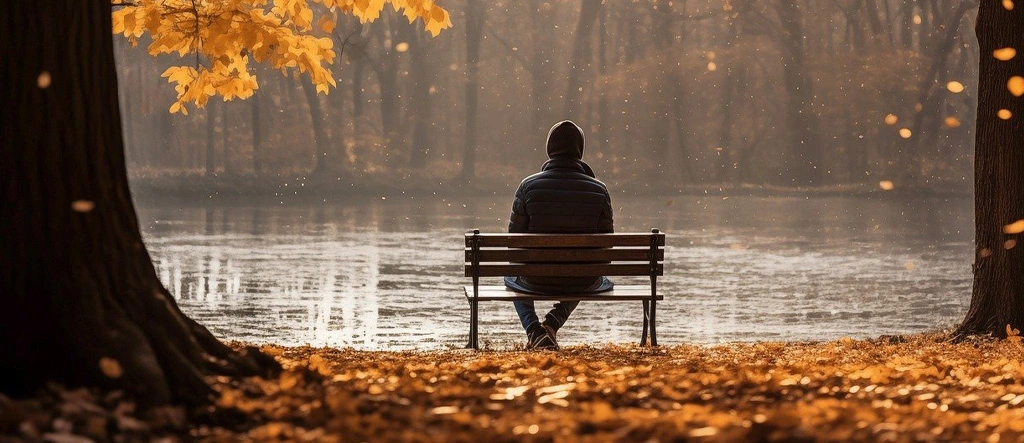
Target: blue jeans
{"x": 558, "y": 314}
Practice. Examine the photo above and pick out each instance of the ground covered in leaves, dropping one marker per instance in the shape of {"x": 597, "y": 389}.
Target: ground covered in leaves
{"x": 892, "y": 389}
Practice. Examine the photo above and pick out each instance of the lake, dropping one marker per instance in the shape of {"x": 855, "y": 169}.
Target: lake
{"x": 386, "y": 273}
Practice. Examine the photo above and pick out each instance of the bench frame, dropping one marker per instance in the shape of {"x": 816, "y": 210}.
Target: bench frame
{"x": 568, "y": 255}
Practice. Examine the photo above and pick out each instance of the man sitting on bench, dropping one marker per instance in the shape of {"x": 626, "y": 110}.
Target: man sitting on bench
{"x": 566, "y": 198}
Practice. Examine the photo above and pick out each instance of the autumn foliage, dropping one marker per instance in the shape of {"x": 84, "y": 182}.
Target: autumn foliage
{"x": 226, "y": 36}
{"x": 891, "y": 389}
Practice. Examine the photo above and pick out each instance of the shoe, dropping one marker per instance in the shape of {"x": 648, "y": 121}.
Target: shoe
{"x": 551, "y": 333}
{"x": 542, "y": 342}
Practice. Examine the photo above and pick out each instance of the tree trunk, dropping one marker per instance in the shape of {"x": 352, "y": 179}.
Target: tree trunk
{"x": 803, "y": 159}
{"x": 474, "y": 33}
{"x": 82, "y": 303}
{"x": 257, "y": 136}
{"x": 580, "y": 58}
{"x": 211, "y": 144}
{"x": 422, "y": 77}
{"x": 316, "y": 116}
{"x": 998, "y": 297}
{"x": 603, "y": 113}
{"x": 225, "y": 149}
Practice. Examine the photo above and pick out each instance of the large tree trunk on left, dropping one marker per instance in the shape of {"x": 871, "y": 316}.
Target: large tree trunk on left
{"x": 82, "y": 304}
{"x": 998, "y": 298}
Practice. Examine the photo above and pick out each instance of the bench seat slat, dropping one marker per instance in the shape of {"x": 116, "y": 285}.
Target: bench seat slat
{"x": 565, "y": 255}
{"x": 564, "y": 270}
{"x": 564, "y": 240}
{"x": 619, "y": 293}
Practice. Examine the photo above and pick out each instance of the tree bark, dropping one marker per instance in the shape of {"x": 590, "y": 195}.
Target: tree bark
{"x": 82, "y": 303}
{"x": 998, "y": 296}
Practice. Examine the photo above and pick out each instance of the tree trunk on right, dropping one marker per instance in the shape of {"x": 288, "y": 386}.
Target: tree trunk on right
{"x": 998, "y": 297}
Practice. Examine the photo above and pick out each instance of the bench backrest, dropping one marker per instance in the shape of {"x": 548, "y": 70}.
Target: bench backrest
{"x": 565, "y": 255}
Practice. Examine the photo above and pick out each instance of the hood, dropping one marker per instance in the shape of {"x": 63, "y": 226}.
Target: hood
{"x": 565, "y": 139}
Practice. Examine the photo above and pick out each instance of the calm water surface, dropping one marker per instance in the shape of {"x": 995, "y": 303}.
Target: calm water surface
{"x": 387, "y": 274}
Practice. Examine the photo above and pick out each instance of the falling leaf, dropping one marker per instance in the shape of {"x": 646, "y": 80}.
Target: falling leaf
{"x": 44, "y": 80}
{"x": 83, "y": 206}
{"x": 712, "y": 66}
{"x": 1016, "y": 85}
{"x": 110, "y": 367}
{"x": 1004, "y": 54}
{"x": 886, "y": 185}
{"x": 955, "y": 87}
{"x": 402, "y": 47}
{"x": 984, "y": 252}
{"x": 1009, "y": 244}
{"x": 952, "y": 122}
{"x": 891, "y": 119}
{"x": 1016, "y": 227}
{"x": 1004, "y": 114}
{"x": 905, "y": 132}
{"x": 1008, "y": 4}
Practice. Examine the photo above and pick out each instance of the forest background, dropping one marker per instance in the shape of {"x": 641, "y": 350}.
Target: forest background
{"x": 671, "y": 93}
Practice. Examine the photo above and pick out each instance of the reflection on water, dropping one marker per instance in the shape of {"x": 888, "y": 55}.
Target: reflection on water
{"x": 387, "y": 274}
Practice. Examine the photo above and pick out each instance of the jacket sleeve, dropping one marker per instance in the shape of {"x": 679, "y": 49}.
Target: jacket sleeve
{"x": 607, "y": 222}
{"x": 519, "y": 221}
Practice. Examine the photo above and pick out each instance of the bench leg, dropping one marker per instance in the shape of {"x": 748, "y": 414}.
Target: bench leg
{"x": 643, "y": 333}
{"x": 472, "y": 326}
{"x": 476, "y": 320}
{"x": 654, "y": 334}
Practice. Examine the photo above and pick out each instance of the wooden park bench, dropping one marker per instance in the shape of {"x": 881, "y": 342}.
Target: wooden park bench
{"x": 565, "y": 255}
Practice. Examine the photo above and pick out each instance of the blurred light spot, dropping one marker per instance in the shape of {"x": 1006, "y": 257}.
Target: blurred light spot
{"x": 952, "y": 122}
{"x": 1004, "y": 114}
{"x": 955, "y": 87}
{"x": 1009, "y": 244}
{"x": 707, "y": 431}
{"x": 1016, "y": 227}
{"x": 1016, "y": 85}
{"x": 83, "y": 205}
{"x": 917, "y": 19}
{"x": 886, "y": 185}
{"x": 891, "y": 119}
{"x": 712, "y": 66}
{"x": 1008, "y": 4}
{"x": 984, "y": 252}
{"x": 111, "y": 368}
{"x": 402, "y": 47}
{"x": 1004, "y": 54}
{"x": 918, "y": 107}
{"x": 44, "y": 80}
{"x": 905, "y": 132}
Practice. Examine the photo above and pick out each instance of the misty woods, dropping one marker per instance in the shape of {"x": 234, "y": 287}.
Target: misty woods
{"x": 783, "y": 92}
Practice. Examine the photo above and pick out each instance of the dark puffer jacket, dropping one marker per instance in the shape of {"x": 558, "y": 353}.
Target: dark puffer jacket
{"x": 564, "y": 197}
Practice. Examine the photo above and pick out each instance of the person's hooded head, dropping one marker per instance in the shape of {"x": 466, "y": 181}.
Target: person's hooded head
{"x": 565, "y": 139}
